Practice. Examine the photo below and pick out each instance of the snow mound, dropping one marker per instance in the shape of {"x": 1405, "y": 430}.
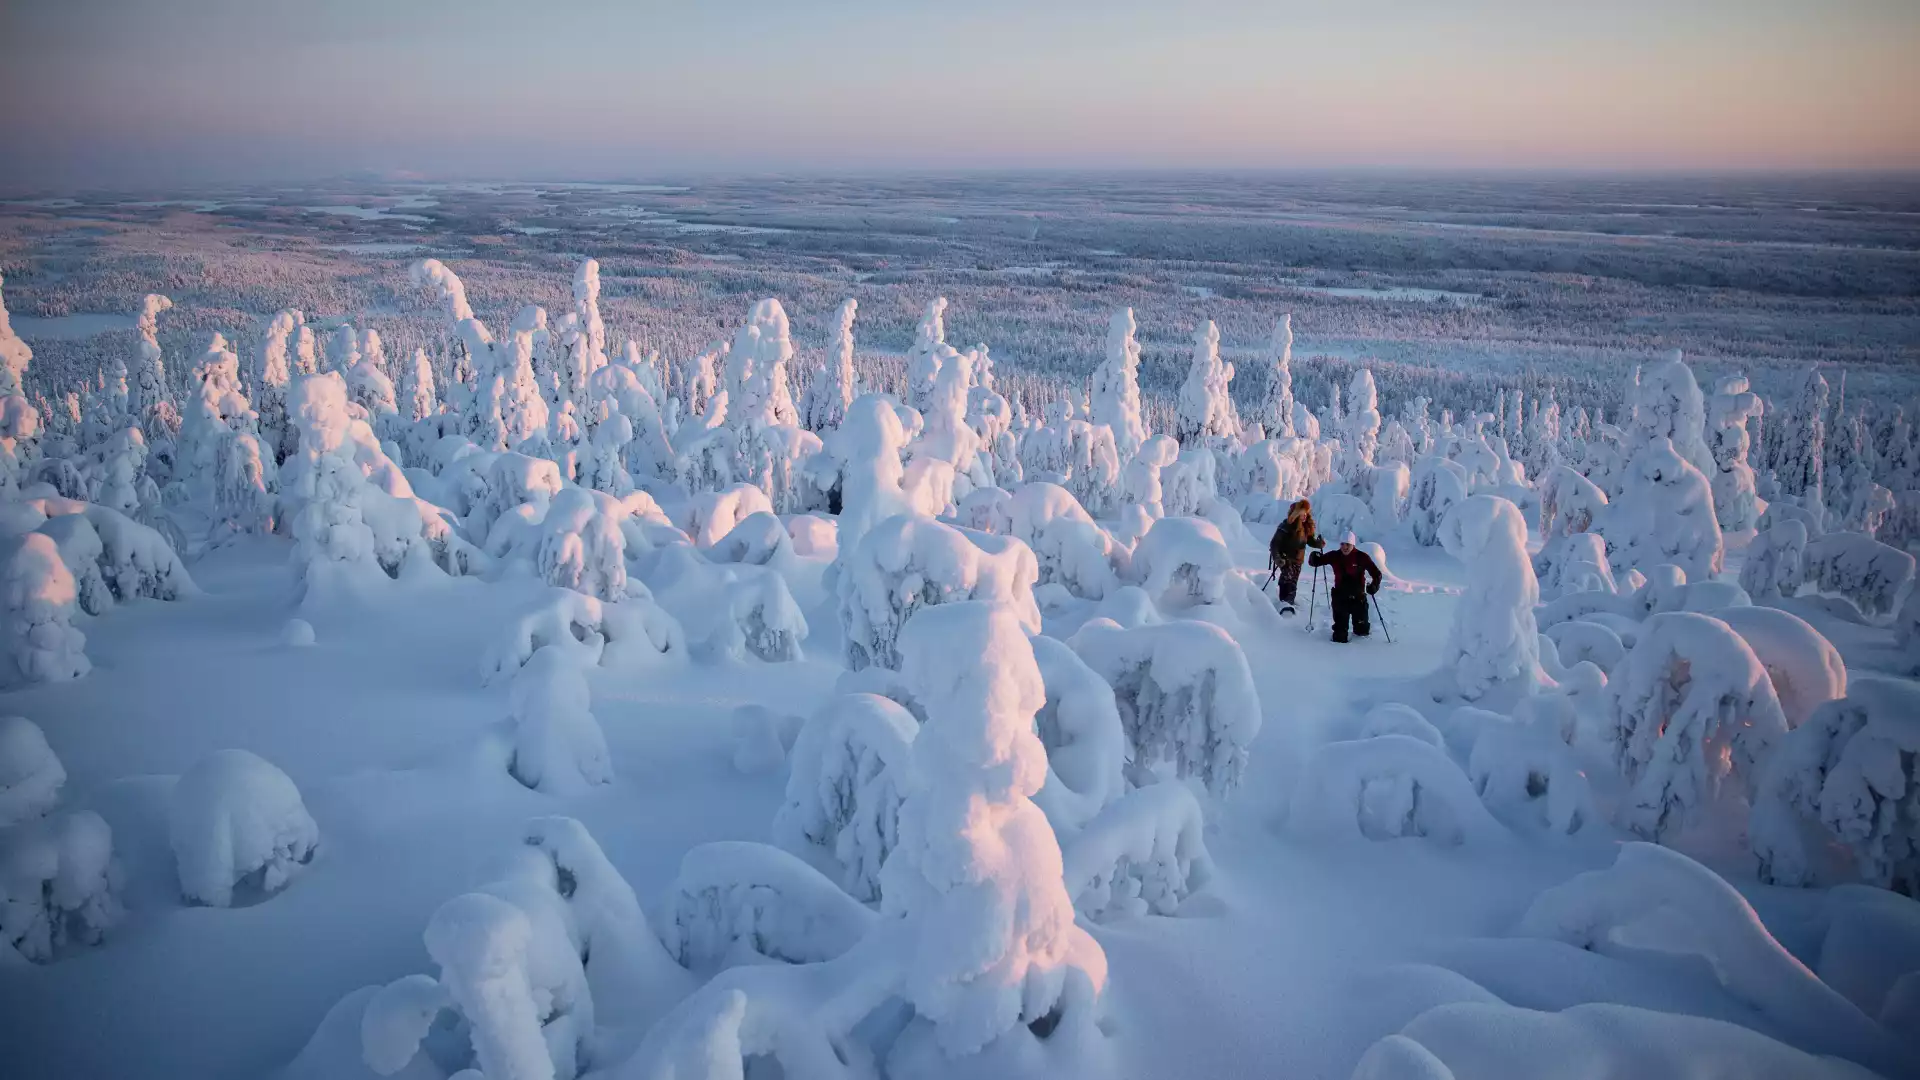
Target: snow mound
{"x": 558, "y": 747}
{"x": 1181, "y": 562}
{"x": 1394, "y": 718}
{"x": 30, "y": 775}
{"x": 1525, "y": 772}
{"x": 1184, "y": 693}
{"x": 735, "y": 901}
{"x": 1486, "y": 1041}
{"x": 1143, "y": 853}
{"x": 1386, "y": 787}
{"x": 296, "y": 633}
{"x": 1595, "y": 909}
{"x": 761, "y": 738}
{"x": 634, "y": 631}
{"x": 58, "y": 881}
{"x": 236, "y": 821}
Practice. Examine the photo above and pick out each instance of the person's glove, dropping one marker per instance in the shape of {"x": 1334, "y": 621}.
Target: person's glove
{"x": 1372, "y": 588}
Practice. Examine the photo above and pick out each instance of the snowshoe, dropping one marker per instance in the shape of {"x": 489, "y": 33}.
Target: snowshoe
{"x": 1286, "y": 611}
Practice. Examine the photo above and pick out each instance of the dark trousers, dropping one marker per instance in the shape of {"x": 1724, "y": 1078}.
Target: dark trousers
{"x": 1350, "y": 606}
{"x": 1289, "y": 578}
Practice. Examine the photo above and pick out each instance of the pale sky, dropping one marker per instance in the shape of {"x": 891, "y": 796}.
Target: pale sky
{"x": 148, "y": 92}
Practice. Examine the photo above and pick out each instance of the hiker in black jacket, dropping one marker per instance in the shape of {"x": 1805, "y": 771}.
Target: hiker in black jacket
{"x": 1355, "y": 577}
{"x": 1289, "y": 546}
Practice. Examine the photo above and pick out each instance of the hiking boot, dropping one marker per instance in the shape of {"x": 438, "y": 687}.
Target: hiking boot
{"x": 1340, "y": 638}
{"x": 1286, "y": 611}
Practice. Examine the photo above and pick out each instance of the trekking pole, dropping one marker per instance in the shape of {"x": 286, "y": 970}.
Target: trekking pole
{"x": 1313, "y": 594}
{"x": 1384, "y": 628}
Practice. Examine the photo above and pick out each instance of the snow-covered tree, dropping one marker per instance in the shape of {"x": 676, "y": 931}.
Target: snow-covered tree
{"x": 756, "y": 384}
{"x": 978, "y": 872}
{"x": 831, "y": 390}
{"x": 591, "y": 353}
{"x": 844, "y": 785}
{"x": 1664, "y": 514}
{"x": 1804, "y": 471}
{"x": 558, "y": 746}
{"x": 1185, "y": 696}
{"x": 272, "y": 373}
{"x": 1115, "y": 398}
{"x": 58, "y": 885}
{"x": 1729, "y": 409}
{"x": 236, "y": 820}
{"x": 1849, "y": 768}
{"x": 1689, "y": 706}
{"x": 1276, "y": 408}
{"x": 908, "y": 563}
{"x": 1493, "y": 643}
{"x": 1206, "y": 407}
{"x": 1775, "y": 562}
{"x": 150, "y": 400}
{"x": 925, "y": 356}
{"x": 19, "y": 419}
{"x": 325, "y": 486}
{"x": 1362, "y": 423}
{"x": 30, "y": 774}
{"x": 40, "y": 601}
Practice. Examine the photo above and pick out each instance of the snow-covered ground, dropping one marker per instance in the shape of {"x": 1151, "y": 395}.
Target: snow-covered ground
{"x": 1297, "y": 957}
{"x": 527, "y": 709}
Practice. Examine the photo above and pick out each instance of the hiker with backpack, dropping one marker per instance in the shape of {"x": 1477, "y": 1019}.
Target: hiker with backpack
{"x": 1355, "y": 577}
{"x": 1288, "y": 549}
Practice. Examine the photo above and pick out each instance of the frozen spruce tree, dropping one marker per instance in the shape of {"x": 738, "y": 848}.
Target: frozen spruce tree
{"x": 151, "y": 402}
{"x": 757, "y": 389}
{"x": 1728, "y": 411}
{"x": 589, "y": 353}
{"x": 1689, "y": 706}
{"x": 1205, "y": 408}
{"x": 1667, "y": 404}
{"x": 1115, "y": 399}
{"x": 19, "y": 419}
{"x": 14, "y": 353}
{"x": 1804, "y": 473}
{"x": 1362, "y": 423}
{"x": 1850, "y": 768}
{"x": 417, "y": 394}
{"x": 272, "y": 373}
{"x": 924, "y": 358}
{"x": 1276, "y": 409}
{"x": 41, "y": 598}
{"x": 523, "y": 410}
{"x": 993, "y": 947}
{"x": 1664, "y": 514}
{"x": 326, "y": 488}
{"x": 831, "y": 390}
{"x": 1494, "y": 644}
